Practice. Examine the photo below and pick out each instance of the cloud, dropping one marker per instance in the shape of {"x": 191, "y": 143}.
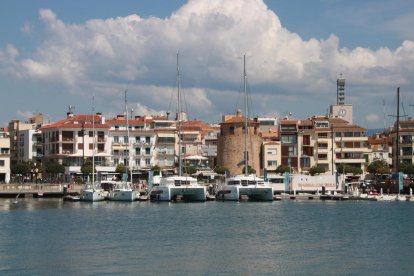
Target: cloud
{"x": 372, "y": 118}
{"x": 212, "y": 36}
{"x": 27, "y": 28}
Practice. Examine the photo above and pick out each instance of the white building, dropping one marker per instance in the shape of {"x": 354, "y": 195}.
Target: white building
{"x": 4, "y": 156}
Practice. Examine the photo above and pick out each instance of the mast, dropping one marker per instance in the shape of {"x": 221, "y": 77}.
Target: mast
{"x": 93, "y": 137}
{"x": 246, "y": 158}
{"x": 398, "y": 131}
{"x": 127, "y": 142}
{"x": 179, "y": 118}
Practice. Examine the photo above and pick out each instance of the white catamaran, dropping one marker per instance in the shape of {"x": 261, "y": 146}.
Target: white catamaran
{"x": 249, "y": 186}
{"x": 178, "y": 186}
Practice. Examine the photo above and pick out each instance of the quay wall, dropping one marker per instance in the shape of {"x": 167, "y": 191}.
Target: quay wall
{"x": 38, "y": 189}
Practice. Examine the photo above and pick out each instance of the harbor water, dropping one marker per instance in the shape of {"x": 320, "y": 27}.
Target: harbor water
{"x": 288, "y": 237}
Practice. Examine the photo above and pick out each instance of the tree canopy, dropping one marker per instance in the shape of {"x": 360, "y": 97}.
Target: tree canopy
{"x": 220, "y": 170}
{"x": 55, "y": 168}
{"x": 316, "y": 170}
{"x": 283, "y": 169}
{"x": 21, "y": 168}
{"x": 87, "y": 168}
{"x": 378, "y": 167}
{"x": 250, "y": 170}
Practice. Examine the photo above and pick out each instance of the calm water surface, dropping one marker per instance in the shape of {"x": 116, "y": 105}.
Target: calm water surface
{"x": 52, "y": 237}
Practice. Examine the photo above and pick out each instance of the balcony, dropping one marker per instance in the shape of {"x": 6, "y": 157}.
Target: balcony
{"x": 351, "y": 139}
{"x": 355, "y": 150}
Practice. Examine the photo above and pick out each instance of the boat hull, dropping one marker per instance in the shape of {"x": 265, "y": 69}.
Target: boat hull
{"x": 122, "y": 195}
{"x": 254, "y": 193}
{"x": 184, "y": 192}
{"x": 93, "y": 195}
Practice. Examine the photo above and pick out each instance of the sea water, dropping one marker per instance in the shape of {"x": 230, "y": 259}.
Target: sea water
{"x": 53, "y": 237}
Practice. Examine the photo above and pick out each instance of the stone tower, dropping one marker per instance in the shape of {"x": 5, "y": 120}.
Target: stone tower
{"x": 231, "y": 144}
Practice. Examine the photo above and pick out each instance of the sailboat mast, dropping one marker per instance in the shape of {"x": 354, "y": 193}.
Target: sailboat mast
{"x": 93, "y": 137}
{"x": 398, "y": 131}
{"x": 246, "y": 158}
{"x": 180, "y": 165}
{"x": 127, "y": 142}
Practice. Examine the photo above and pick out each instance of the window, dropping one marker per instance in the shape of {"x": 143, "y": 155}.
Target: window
{"x": 323, "y": 145}
{"x": 289, "y": 139}
{"x": 90, "y": 133}
{"x": 80, "y": 146}
{"x": 1, "y": 163}
{"x": 126, "y": 139}
{"x": 147, "y": 151}
{"x": 147, "y": 162}
{"x": 91, "y": 146}
{"x": 272, "y": 151}
{"x": 272, "y": 163}
{"x": 147, "y": 140}
{"x": 322, "y": 124}
{"x": 116, "y": 139}
{"x": 322, "y": 135}
{"x": 322, "y": 156}
{"x": 137, "y": 151}
{"x": 137, "y": 139}
{"x": 138, "y": 162}
{"x": 231, "y": 130}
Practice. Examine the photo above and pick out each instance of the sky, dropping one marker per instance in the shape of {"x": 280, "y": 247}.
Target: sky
{"x": 87, "y": 53}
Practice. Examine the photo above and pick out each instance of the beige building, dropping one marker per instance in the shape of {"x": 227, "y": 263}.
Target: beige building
{"x": 233, "y": 143}
{"x": 323, "y": 141}
{"x": 17, "y": 146}
{"x": 271, "y": 155}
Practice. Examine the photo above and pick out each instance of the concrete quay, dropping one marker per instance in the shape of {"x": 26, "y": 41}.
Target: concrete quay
{"x": 38, "y": 189}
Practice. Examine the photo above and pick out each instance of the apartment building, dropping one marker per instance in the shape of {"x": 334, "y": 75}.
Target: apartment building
{"x": 322, "y": 141}
{"x": 75, "y": 140}
{"x": 381, "y": 148}
{"x": 18, "y": 152}
{"x": 4, "y": 156}
{"x": 403, "y": 147}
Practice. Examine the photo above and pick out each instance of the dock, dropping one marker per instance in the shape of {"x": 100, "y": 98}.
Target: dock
{"x": 38, "y": 190}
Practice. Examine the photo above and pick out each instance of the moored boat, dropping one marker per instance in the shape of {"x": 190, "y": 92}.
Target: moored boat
{"x": 242, "y": 186}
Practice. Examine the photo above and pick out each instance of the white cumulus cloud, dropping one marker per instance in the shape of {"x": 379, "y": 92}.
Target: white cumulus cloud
{"x": 212, "y": 37}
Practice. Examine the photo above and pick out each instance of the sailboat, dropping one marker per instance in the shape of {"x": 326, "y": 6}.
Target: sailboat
{"x": 123, "y": 191}
{"x": 247, "y": 185}
{"x": 178, "y": 186}
{"x": 93, "y": 192}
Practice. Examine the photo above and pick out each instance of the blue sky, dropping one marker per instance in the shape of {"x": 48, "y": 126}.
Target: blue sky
{"x": 59, "y": 53}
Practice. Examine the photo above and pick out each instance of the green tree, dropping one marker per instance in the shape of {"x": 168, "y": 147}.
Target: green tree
{"x": 316, "y": 170}
{"x": 378, "y": 167}
{"x": 283, "y": 169}
{"x": 250, "y": 170}
{"x": 55, "y": 169}
{"x": 87, "y": 168}
{"x": 220, "y": 170}
{"x": 155, "y": 168}
{"x": 190, "y": 170}
{"x": 121, "y": 169}
{"x": 21, "y": 168}
{"x": 407, "y": 168}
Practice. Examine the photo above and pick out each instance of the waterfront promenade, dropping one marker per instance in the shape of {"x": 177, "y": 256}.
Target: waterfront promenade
{"x": 38, "y": 189}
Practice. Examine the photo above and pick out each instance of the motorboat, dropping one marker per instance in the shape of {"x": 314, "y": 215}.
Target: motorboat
{"x": 177, "y": 187}
{"x": 245, "y": 186}
{"x": 120, "y": 191}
